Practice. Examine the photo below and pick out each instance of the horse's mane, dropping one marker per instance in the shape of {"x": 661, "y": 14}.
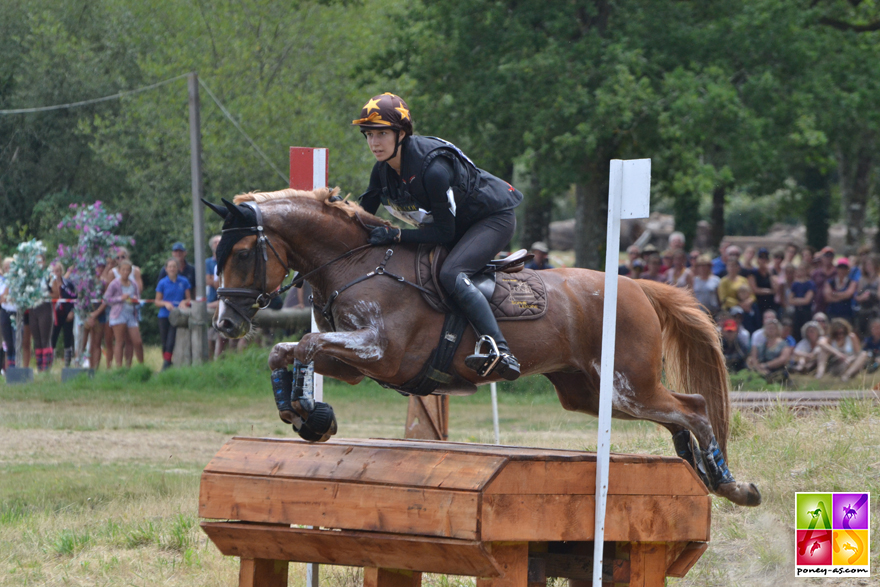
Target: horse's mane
{"x": 321, "y": 195}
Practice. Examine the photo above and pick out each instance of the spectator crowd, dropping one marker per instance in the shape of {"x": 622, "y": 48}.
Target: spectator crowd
{"x": 110, "y": 326}
{"x": 791, "y": 309}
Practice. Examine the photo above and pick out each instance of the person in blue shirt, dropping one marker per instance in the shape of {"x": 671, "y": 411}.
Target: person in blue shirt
{"x": 171, "y": 291}
{"x": 210, "y": 267}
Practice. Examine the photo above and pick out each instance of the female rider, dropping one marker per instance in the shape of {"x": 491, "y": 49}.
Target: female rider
{"x": 430, "y": 183}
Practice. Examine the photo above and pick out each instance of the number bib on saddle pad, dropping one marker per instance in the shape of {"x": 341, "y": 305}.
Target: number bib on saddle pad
{"x": 517, "y": 296}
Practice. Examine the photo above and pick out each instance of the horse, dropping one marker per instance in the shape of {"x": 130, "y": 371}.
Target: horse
{"x": 375, "y": 323}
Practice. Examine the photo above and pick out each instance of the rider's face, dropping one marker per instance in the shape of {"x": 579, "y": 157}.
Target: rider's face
{"x": 381, "y": 142}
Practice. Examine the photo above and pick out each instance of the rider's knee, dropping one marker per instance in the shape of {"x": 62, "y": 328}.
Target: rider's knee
{"x": 449, "y": 278}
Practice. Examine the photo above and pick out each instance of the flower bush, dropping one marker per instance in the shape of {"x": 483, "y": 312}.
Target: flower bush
{"x": 95, "y": 242}
{"x": 26, "y": 277}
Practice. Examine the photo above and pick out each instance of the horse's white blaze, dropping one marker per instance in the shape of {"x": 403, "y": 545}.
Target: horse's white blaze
{"x": 367, "y": 340}
{"x": 221, "y": 308}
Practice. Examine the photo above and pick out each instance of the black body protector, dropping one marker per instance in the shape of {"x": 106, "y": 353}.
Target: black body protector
{"x": 450, "y": 199}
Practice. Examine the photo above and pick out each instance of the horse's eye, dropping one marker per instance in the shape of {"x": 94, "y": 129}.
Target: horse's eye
{"x": 243, "y": 254}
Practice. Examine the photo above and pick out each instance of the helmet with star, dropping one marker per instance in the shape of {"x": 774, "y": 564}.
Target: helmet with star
{"x": 385, "y": 111}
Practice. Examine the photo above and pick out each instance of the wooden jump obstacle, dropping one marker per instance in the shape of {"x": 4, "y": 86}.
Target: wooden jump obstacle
{"x": 509, "y": 516}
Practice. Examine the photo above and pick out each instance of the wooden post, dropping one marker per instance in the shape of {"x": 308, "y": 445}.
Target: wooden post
{"x": 262, "y": 572}
{"x": 200, "y": 309}
{"x": 427, "y": 418}
{"x": 513, "y": 560}
{"x": 374, "y": 577}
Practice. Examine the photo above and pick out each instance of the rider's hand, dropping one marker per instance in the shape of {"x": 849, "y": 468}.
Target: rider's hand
{"x": 382, "y": 235}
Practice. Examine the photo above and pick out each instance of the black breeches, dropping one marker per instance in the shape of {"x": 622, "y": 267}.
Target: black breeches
{"x": 41, "y": 325}
{"x": 7, "y": 332}
{"x": 477, "y": 246}
{"x": 63, "y": 325}
{"x": 167, "y": 334}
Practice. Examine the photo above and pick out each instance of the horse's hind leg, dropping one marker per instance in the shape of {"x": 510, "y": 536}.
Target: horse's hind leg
{"x": 683, "y": 414}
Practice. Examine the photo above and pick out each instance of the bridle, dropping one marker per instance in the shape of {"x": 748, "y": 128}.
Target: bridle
{"x": 246, "y": 301}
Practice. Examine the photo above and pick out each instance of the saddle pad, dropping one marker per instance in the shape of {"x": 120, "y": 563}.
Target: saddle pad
{"x": 518, "y": 296}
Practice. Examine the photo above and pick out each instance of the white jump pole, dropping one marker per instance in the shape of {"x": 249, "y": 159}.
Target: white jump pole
{"x": 629, "y": 196}
{"x": 309, "y": 171}
{"x": 494, "y": 387}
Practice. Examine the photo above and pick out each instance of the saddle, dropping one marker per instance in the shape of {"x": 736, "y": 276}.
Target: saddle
{"x": 513, "y": 292}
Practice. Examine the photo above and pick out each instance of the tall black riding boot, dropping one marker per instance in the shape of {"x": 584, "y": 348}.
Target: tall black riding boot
{"x": 476, "y": 309}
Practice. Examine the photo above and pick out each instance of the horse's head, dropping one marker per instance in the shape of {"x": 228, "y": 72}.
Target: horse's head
{"x": 251, "y": 268}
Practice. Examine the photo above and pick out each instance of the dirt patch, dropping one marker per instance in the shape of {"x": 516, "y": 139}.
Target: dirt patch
{"x": 108, "y": 446}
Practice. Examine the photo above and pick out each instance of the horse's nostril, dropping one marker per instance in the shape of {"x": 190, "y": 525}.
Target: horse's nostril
{"x": 225, "y": 324}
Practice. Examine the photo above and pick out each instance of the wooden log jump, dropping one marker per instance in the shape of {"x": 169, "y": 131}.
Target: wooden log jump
{"x": 509, "y": 516}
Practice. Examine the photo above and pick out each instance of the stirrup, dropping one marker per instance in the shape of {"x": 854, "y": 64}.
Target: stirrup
{"x": 484, "y": 364}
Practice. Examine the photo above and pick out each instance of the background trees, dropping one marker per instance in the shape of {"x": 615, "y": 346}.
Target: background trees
{"x": 732, "y": 99}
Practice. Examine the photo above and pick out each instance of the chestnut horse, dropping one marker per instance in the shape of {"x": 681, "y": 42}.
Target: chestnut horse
{"x": 383, "y": 329}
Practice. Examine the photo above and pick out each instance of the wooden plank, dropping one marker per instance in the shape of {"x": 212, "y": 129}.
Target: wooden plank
{"x": 428, "y": 512}
{"x": 355, "y": 549}
{"x": 579, "y": 478}
{"x": 688, "y": 557}
{"x": 262, "y": 573}
{"x": 570, "y": 517}
{"x": 366, "y": 464}
{"x": 512, "y": 559}
{"x": 374, "y": 577}
{"x": 647, "y": 564}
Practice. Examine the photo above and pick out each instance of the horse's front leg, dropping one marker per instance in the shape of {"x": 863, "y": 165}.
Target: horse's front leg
{"x": 283, "y": 354}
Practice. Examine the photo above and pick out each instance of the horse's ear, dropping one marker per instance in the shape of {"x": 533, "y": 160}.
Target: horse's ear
{"x": 222, "y": 212}
{"x": 233, "y": 208}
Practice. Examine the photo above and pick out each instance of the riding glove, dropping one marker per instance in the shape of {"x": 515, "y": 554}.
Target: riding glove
{"x": 382, "y": 235}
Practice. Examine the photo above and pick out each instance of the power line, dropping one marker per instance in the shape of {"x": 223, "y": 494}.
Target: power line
{"x": 144, "y": 89}
{"x": 241, "y": 130}
{"x": 93, "y": 101}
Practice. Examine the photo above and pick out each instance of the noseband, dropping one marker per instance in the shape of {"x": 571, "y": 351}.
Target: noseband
{"x": 246, "y": 301}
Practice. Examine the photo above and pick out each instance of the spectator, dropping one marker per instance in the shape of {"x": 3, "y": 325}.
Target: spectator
{"x": 785, "y": 328}
{"x": 693, "y": 256}
{"x": 862, "y": 255}
{"x": 808, "y": 255}
{"x": 806, "y": 352}
{"x": 782, "y": 284}
{"x": 820, "y": 275}
{"x": 7, "y": 311}
{"x": 184, "y": 269}
{"x": 40, "y": 322}
{"x": 632, "y": 252}
{"x": 95, "y": 324}
{"x": 747, "y": 260}
{"x": 540, "y": 250}
{"x": 122, "y": 297}
{"x": 744, "y": 336}
{"x": 869, "y": 353}
{"x": 758, "y": 335}
{"x": 705, "y": 285}
{"x": 654, "y": 272}
{"x": 735, "y": 354}
{"x": 679, "y": 274}
{"x": 839, "y": 291}
{"x": 777, "y": 261}
{"x": 112, "y": 269}
{"x": 761, "y": 282}
{"x": 800, "y": 297}
{"x": 638, "y": 267}
{"x": 751, "y": 317}
{"x": 211, "y": 280}
{"x": 867, "y": 303}
{"x": 665, "y": 261}
{"x": 791, "y": 251}
{"x": 171, "y": 291}
{"x": 733, "y": 254}
{"x": 839, "y": 350}
{"x": 62, "y": 288}
{"x": 771, "y": 357}
{"x": 676, "y": 241}
{"x": 719, "y": 263}
{"x": 731, "y": 283}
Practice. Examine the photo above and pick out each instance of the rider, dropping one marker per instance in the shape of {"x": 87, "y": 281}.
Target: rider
{"x": 429, "y": 182}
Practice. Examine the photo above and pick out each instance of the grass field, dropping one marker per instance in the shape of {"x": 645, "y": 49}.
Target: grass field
{"x": 99, "y": 479}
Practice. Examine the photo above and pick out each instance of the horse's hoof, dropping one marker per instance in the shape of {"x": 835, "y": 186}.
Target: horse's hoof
{"x": 745, "y": 494}
{"x": 320, "y": 424}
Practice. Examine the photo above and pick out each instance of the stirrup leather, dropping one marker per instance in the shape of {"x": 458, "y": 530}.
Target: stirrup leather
{"x": 484, "y": 364}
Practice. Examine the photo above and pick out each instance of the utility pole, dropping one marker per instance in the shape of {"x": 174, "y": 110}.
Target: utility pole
{"x": 199, "y": 318}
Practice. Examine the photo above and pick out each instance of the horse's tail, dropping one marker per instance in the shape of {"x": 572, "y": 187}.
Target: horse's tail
{"x": 693, "y": 361}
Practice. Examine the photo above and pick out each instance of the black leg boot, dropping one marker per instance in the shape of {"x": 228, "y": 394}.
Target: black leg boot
{"x": 476, "y": 309}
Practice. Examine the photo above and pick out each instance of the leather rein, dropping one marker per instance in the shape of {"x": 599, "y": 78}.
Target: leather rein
{"x": 247, "y": 301}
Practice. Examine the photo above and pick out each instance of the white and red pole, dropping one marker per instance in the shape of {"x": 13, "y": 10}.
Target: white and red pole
{"x": 309, "y": 171}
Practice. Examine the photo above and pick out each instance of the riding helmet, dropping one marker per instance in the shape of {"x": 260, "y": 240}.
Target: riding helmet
{"x": 386, "y": 111}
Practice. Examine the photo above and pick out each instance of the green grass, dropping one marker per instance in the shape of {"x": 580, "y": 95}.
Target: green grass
{"x": 99, "y": 478}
